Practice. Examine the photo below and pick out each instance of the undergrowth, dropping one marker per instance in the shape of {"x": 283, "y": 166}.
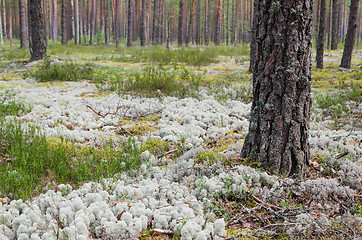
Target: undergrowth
{"x": 62, "y": 71}
{"x": 31, "y": 163}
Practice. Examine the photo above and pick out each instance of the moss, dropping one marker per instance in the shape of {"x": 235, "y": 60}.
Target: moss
{"x": 140, "y": 129}
{"x": 254, "y": 163}
{"x": 319, "y": 158}
{"x": 50, "y": 84}
{"x": 208, "y": 157}
{"x": 155, "y": 146}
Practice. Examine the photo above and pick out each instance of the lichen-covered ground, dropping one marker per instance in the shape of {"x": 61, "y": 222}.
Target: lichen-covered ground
{"x": 191, "y": 183}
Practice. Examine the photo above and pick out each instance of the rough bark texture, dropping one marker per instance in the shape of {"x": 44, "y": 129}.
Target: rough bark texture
{"x": 64, "y": 23}
{"x": 351, "y": 33}
{"x": 23, "y": 25}
{"x": 130, "y": 24}
{"x": 278, "y": 131}
{"x": 334, "y": 41}
{"x": 37, "y": 34}
{"x": 320, "y": 40}
{"x": 253, "y": 40}
{"x": 143, "y": 23}
{"x": 217, "y": 22}
{"x": 180, "y": 23}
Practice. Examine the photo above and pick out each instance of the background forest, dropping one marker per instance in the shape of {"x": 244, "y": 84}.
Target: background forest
{"x": 158, "y": 21}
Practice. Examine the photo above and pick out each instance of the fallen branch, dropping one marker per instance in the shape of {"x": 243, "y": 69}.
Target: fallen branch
{"x": 98, "y": 113}
{"x": 341, "y": 155}
{"x": 267, "y": 204}
{"x": 161, "y": 231}
{"x": 236, "y": 116}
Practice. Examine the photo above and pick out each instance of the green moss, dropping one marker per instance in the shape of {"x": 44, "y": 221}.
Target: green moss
{"x": 155, "y": 146}
{"x": 208, "y": 157}
{"x": 254, "y": 163}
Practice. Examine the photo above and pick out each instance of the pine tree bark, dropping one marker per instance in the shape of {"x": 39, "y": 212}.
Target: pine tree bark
{"x": 334, "y": 40}
{"x": 217, "y": 27}
{"x": 180, "y": 23}
{"x": 106, "y": 22}
{"x": 321, "y": 34}
{"x": 143, "y": 23}
{"x": 207, "y": 22}
{"x": 351, "y": 34}
{"x": 227, "y": 22}
{"x": 198, "y": 23}
{"x": 64, "y": 23}
{"x": 37, "y": 34}
{"x": 278, "y": 130}
{"x": 23, "y": 24}
{"x": 192, "y": 11}
{"x": 130, "y": 23}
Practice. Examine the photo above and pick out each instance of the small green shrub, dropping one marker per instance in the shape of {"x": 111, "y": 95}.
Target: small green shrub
{"x": 64, "y": 71}
{"x": 11, "y": 53}
{"x": 9, "y": 106}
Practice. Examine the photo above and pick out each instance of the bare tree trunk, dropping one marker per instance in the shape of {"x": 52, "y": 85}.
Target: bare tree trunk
{"x": 180, "y": 23}
{"x": 334, "y": 41}
{"x": 106, "y": 22}
{"x": 143, "y": 24}
{"x": 227, "y": 22}
{"x": 23, "y": 24}
{"x": 64, "y": 23}
{"x": 198, "y": 22}
{"x": 329, "y": 25}
{"x": 207, "y": 22}
{"x": 351, "y": 33}
{"x": 91, "y": 21}
{"x": 130, "y": 24}
{"x": 1, "y": 30}
{"x": 37, "y": 34}
{"x": 217, "y": 27}
{"x": 278, "y": 130}
{"x": 321, "y": 35}
{"x": 192, "y": 11}
{"x": 5, "y": 20}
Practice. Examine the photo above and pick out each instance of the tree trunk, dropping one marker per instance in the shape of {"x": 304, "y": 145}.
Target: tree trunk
{"x": 227, "y": 22}
{"x": 207, "y": 21}
{"x": 278, "y": 130}
{"x": 217, "y": 27}
{"x": 64, "y": 23}
{"x": 334, "y": 41}
{"x": 198, "y": 23}
{"x": 351, "y": 33}
{"x": 321, "y": 34}
{"x": 91, "y": 21}
{"x": 253, "y": 38}
{"x": 37, "y": 34}
{"x": 143, "y": 23}
{"x": 130, "y": 24}
{"x": 23, "y": 25}
{"x": 106, "y": 22}
{"x": 180, "y": 23}
{"x": 192, "y": 11}
{"x": 1, "y": 29}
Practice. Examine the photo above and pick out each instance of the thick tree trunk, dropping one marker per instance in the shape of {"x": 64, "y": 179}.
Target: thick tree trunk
{"x": 278, "y": 130}
{"x": 130, "y": 24}
{"x": 37, "y": 34}
{"x": 198, "y": 23}
{"x": 106, "y": 22}
{"x": 23, "y": 24}
{"x": 351, "y": 33}
{"x": 334, "y": 41}
{"x": 91, "y": 21}
{"x": 321, "y": 34}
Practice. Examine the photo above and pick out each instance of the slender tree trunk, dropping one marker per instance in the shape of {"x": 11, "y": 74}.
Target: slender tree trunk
{"x": 23, "y": 25}
{"x": 5, "y": 20}
{"x": 192, "y": 11}
{"x": 180, "y": 23}
{"x": 106, "y": 22}
{"x": 130, "y": 24}
{"x": 329, "y": 25}
{"x": 227, "y": 22}
{"x": 1, "y": 30}
{"x": 217, "y": 27}
{"x": 143, "y": 23}
{"x": 91, "y": 21}
{"x": 334, "y": 41}
{"x": 253, "y": 39}
{"x": 37, "y": 34}
{"x": 351, "y": 33}
{"x": 321, "y": 34}
{"x": 64, "y": 23}
{"x": 278, "y": 130}
{"x": 207, "y": 22}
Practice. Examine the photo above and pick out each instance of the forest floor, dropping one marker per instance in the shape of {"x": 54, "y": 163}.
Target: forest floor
{"x": 116, "y": 143}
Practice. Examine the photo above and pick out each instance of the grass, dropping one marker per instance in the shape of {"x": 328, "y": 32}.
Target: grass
{"x": 31, "y": 163}
{"x": 153, "y": 81}
{"x": 62, "y": 71}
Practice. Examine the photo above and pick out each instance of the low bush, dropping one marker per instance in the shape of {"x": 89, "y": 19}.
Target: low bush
{"x": 62, "y": 71}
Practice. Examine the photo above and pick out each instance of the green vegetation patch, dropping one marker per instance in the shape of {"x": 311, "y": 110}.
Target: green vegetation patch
{"x": 60, "y": 71}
